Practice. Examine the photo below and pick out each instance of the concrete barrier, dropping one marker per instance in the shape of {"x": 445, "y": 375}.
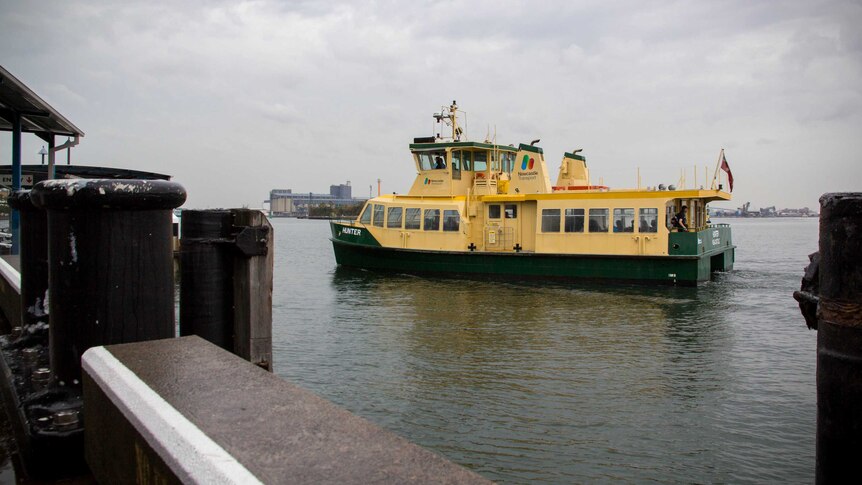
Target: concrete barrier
{"x": 184, "y": 410}
{"x": 10, "y": 296}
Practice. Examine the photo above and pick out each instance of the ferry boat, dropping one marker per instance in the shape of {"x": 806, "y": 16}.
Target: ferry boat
{"x": 481, "y": 208}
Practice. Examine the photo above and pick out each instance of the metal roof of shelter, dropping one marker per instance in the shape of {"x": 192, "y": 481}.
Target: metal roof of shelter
{"x": 40, "y": 172}
{"x": 37, "y": 116}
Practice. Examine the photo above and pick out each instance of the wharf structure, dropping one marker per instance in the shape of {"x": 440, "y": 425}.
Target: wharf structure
{"x": 94, "y": 380}
{"x": 23, "y": 111}
{"x": 287, "y": 203}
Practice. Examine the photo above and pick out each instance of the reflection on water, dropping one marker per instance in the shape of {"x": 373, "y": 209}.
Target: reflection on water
{"x": 552, "y": 382}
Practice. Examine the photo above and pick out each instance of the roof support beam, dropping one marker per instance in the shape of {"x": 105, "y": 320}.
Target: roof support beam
{"x": 16, "y": 178}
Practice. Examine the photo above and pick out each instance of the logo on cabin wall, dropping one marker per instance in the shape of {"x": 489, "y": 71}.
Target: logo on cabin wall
{"x": 527, "y": 163}
{"x": 428, "y": 181}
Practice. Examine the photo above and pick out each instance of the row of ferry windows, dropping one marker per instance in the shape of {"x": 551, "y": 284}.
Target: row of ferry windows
{"x": 410, "y": 218}
{"x": 467, "y": 160}
{"x": 623, "y": 220}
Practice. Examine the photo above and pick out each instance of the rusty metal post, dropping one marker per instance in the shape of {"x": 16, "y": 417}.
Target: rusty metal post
{"x": 839, "y": 338}
{"x": 111, "y": 264}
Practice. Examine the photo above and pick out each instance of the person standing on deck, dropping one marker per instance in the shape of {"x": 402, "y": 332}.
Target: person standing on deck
{"x": 679, "y": 220}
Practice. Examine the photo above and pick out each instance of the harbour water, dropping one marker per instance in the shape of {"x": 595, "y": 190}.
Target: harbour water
{"x": 548, "y": 382}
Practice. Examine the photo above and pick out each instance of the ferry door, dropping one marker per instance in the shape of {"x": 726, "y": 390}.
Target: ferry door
{"x": 511, "y": 229}
{"x": 512, "y": 226}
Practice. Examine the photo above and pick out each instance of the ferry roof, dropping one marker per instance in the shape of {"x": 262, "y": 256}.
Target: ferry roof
{"x": 418, "y": 147}
{"x": 37, "y": 116}
{"x": 617, "y": 194}
{"x": 710, "y": 195}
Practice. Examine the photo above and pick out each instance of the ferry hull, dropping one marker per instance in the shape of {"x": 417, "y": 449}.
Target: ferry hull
{"x": 680, "y": 270}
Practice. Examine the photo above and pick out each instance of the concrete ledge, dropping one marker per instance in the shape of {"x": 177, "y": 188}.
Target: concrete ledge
{"x": 10, "y": 295}
{"x": 184, "y": 410}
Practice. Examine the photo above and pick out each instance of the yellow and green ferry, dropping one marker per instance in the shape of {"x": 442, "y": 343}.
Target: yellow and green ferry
{"x": 480, "y": 208}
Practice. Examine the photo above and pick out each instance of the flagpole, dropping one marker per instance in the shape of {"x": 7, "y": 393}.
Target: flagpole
{"x": 717, "y": 165}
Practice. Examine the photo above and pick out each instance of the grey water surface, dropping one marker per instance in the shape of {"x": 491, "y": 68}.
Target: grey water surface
{"x": 549, "y": 382}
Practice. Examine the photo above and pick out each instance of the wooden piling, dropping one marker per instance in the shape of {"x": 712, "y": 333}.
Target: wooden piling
{"x": 839, "y": 338}
{"x": 110, "y": 264}
{"x": 253, "y": 272}
{"x": 33, "y": 260}
{"x": 206, "y": 276}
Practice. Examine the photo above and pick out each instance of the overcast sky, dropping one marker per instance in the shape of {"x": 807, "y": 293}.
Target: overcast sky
{"x": 234, "y": 99}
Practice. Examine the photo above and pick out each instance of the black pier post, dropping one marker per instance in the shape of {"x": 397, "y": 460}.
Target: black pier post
{"x": 226, "y": 281}
{"x": 33, "y": 257}
{"x": 839, "y": 338}
{"x": 206, "y": 276}
{"x": 110, "y": 262}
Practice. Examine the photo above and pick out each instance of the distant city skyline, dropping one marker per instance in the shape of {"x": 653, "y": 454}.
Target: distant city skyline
{"x": 236, "y": 99}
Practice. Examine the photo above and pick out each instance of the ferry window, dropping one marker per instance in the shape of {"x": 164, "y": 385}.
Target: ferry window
{"x": 550, "y": 220}
{"x": 507, "y": 161}
{"x": 466, "y": 158}
{"x": 511, "y": 211}
{"x": 426, "y": 161}
{"x": 393, "y": 218}
{"x": 480, "y": 161}
{"x": 624, "y": 220}
{"x": 412, "y": 218}
{"x": 574, "y": 220}
{"x": 378, "y": 215}
{"x": 598, "y": 220}
{"x": 366, "y": 215}
{"x": 439, "y": 160}
{"x": 432, "y": 219}
{"x": 451, "y": 220}
{"x": 493, "y": 211}
{"x": 456, "y": 165}
{"x": 494, "y": 163}
{"x": 648, "y": 220}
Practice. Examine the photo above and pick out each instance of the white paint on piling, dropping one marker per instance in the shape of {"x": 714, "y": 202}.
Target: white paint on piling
{"x": 73, "y": 248}
{"x": 192, "y": 455}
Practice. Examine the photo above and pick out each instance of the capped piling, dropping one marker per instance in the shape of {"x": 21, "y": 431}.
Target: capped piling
{"x": 839, "y": 338}
{"x": 110, "y": 264}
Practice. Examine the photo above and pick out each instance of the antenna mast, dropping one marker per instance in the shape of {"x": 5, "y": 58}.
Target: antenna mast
{"x": 449, "y": 116}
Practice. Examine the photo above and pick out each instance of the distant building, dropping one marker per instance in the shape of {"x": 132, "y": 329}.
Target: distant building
{"x": 286, "y": 203}
{"x": 340, "y": 191}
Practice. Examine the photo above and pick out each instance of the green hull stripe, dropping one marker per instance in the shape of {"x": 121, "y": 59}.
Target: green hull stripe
{"x": 680, "y": 269}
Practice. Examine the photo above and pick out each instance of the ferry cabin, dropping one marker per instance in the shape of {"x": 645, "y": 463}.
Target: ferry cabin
{"x": 478, "y": 199}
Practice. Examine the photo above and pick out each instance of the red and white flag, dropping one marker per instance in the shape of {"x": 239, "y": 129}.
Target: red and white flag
{"x": 726, "y": 168}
